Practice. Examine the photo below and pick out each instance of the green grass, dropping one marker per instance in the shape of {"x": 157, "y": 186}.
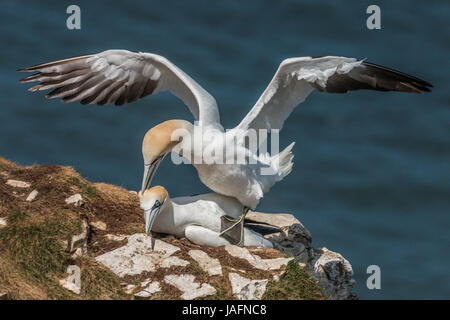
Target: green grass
{"x": 36, "y": 244}
{"x": 87, "y": 189}
{"x": 294, "y": 284}
{"x": 98, "y": 283}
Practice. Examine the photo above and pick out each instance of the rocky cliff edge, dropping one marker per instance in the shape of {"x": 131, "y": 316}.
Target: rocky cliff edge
{"x": 63, "y": 237}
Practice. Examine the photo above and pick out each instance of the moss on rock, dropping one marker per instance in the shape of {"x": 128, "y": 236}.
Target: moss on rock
{"x": 295, "y": 284}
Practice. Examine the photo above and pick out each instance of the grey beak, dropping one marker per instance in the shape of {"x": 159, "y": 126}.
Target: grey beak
{"x": 149, "y": 172}
{"x": 150, "y": 216}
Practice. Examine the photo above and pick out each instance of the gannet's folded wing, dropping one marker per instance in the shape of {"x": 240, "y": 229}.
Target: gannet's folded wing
{"x": 120, "y": 76}
{"x": 296, "y": 78}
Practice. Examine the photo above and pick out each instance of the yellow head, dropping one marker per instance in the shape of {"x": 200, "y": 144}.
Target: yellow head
{"x": 158, "y": 141}
{"x": 153, "y": 201}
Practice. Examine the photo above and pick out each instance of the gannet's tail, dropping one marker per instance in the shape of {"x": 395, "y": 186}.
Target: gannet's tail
{"x": 272, "y": 169}
{"x": 283, "y": 161}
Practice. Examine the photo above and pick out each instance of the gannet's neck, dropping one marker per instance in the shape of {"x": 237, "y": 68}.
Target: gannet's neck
{"x": 165, "y": 221}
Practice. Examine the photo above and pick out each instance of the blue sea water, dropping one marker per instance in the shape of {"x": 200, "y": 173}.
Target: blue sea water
{"x": 372, "y": 170}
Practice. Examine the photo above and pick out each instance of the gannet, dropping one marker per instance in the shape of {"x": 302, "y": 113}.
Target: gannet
{"x": 123, "y": 76}
{"x": 199, "y": 218}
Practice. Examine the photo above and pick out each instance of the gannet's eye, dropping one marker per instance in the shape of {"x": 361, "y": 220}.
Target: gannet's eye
{"x": 157, "y": 204}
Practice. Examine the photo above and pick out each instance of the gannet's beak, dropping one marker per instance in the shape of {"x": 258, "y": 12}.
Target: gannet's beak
{"x": 150, "y": 216}
{"x": 149, "y": 172}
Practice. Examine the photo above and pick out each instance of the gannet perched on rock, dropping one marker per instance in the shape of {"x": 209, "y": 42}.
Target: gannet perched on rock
{"x": 201, "y": 218}
{"x": 245, "y": 182}
{"x": 123, "y": 76}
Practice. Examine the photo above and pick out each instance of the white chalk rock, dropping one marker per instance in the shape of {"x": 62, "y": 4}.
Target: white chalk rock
{"x": 256, "y": 261}
{"x": 32, "y": 195}
{"x": 76, "y": 200}
{"x": 100, "y": 225}
{"x": 152, "y": 288}
{"x": 191, "y": 289}
{"x": 18, "y": 184}
{"x": 145, "y": 282}
{"x": 293, "y": 238}
{"x": 334, "y": 273}
{"x": 129, "y": 288}
{"x": 5, "y": 295}
{"x": 78, "y": 244}
{"x": 141, "y": 253}
{"x": 173, "y": 261}
{"x": 73, "y": 281}
{"x": 3, "y": 222}
{"x": 210, "y": 265}
{"x": 280, "y": 220}
{"x": 116, "y": 237}
{"x": 246, "y": 289}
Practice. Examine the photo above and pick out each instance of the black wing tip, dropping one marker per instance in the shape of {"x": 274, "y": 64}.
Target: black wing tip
{"x": 29, "y": 78}
{"x": 419, "y": 84}
{"x": 52, "y": 63}
{"x": 30, "y": 69}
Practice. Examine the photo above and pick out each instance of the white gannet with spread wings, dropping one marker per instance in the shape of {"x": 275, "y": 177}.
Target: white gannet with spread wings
{"x": 122, "y": 76}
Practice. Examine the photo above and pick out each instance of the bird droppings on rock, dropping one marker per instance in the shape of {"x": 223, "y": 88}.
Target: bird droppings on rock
{"x": 256, "y": 261}
{"x": 76, "y": 200}
{"x": 73, "y": 281}
{"x": 18, "y": 183}
{"x": 246, "y": 289}
{"x": 191, "y": 289}
{"x": 208, "y": 264}
{"x": 32, "y": 196}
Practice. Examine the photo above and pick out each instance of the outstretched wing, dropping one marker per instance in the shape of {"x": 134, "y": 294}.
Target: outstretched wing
{"x": 120, "y": 76}
{"x": 296, "y": 78}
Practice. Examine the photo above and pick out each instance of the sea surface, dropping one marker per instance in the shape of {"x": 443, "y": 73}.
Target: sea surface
{"x": 372, "y": 170}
